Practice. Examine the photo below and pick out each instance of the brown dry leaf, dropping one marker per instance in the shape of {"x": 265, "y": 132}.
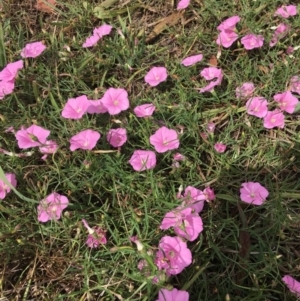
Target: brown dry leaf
{"x": 213, "y": 61}
{"x": 163, "y": 23}
{"x": 264, "y": 69}
{"x": 45, "y": 6}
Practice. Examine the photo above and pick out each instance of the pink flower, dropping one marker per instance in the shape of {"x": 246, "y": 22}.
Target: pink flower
{"x": 32, "y": 136}
{"x": 156, "y": 75}
{"x": 144, "y": 110}
{"x": 209, "y": 193}
{"x": 96, "y": 235}
{"x": 245, "y": 90}
{"x": 9, "y": 73}
{"x": 289, "y": 50}
{"x": 86, "y": 139}
{"x": 273, "y": 119}
{"x": 182, "y": 4}
{"x": 103, "y": 30}
{"x": 226, "y": 38}
{"x": 6, "y": 88}
{"x": 115, "y": 100}
{"x": 295, "y": 84}
{"x": 287, "y": 101}
{"x": 138, "y": 243}
{"x": 191, "y": 60}
{"x": 253, "y": 193}
{"x": 229, "y": 24}
{"x": 210, "y": 73}
{"x": 75, "y": 107}
{"x": 210, "y": 127}
{"x": 173, "y": 295}
{"x": 98, "y": 33}
{"x": 142, "y": 160}
{"x": 286, "y": 11}
{"x": 178, "y": 157}
{"x": 90, "y": 41}
{"x": 292, "y": 284}
{"x": 281, "y": 30}
{"x": 193, "y": 198}
{"x": 33, "y": 49}
{"x": 51, "y": 207}
{"x": 117, "y": 137}
{"x": 257, "y": 106}
{"x": 4, "y": 188}
{"x": 185, "y": 223}
{"x": 49, "y": 147}
{"x": 173, "y": 255}
{"x": 164, "y": 139}
{"x": 251, "y": 41}
{"x": 220, "y": 147}
{"x": 96, "y": 106}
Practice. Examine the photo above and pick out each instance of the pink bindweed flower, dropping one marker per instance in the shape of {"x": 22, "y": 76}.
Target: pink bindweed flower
{"x": 251, "y": 41}
{"x": 245, "y": 90}
{"x": 75, "y": 108}
{"x": 193, "y": 198}
{"x": 186, "y": 224}
{"x": 191, "y": 60}
{"x": 287, "y": 101}
{"x": 226, "y": 38}
{"x": 164, "y": 139}
{"x": 98, "y": 33}
{"x": 257, "y": 106}
{"x": 173, "y": 295}
{"x": 144, "y": 110}
{"x": 138, "y": 243}
{"x": 96, "y": 235}
{"x": 32, "y": 136}
{"x": 115, "y": 100}
{"x": 292, "y": 284}
{"x": 117, "y": 137}
{"x": 51, "y": 207}
{"x": 156, "y": 75}
{"x": 33, "y": 50}
{"x": 220, "y": 147}
{"x": 210, "y": 127}
{"x": 178, "y": 157}
{"x": 102, "y": 30}
{"x": 10, "y": 71}
{"x": 182, "y": 4}
{"x": 285, "y": 11}
{"x": 49, "y": 147}
{"x": 210, "y": 73}
{"x": 274, "y": 119}
{"x": 229, "y": 24}
{"x": 281, "y": 30}
{"x": 253, "y": 193}
{"x": 6, "y": 88}
{"x": 173, "y": 255}
{"x": 142, "y": 160}
{"x": 96, "y": 107}
{"x": 86, "y": 139}
{"x": 209, "y": 194}
{"x": 295, "y": 84}
{"x": 4, "y": 188}
{"x": 289, "y": 50}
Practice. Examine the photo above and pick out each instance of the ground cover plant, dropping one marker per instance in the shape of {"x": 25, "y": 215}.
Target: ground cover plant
{"x": 149, "y": 150}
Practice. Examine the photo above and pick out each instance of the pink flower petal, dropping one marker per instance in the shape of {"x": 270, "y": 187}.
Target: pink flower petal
{"x": 191, "y": 60}
{"x": 156, "y": 75}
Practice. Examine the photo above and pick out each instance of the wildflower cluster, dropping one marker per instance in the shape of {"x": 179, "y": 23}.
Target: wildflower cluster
{"x": 172, "y": 254}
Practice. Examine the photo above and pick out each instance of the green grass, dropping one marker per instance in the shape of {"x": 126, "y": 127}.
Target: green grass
{"x": 244, "y": 251}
